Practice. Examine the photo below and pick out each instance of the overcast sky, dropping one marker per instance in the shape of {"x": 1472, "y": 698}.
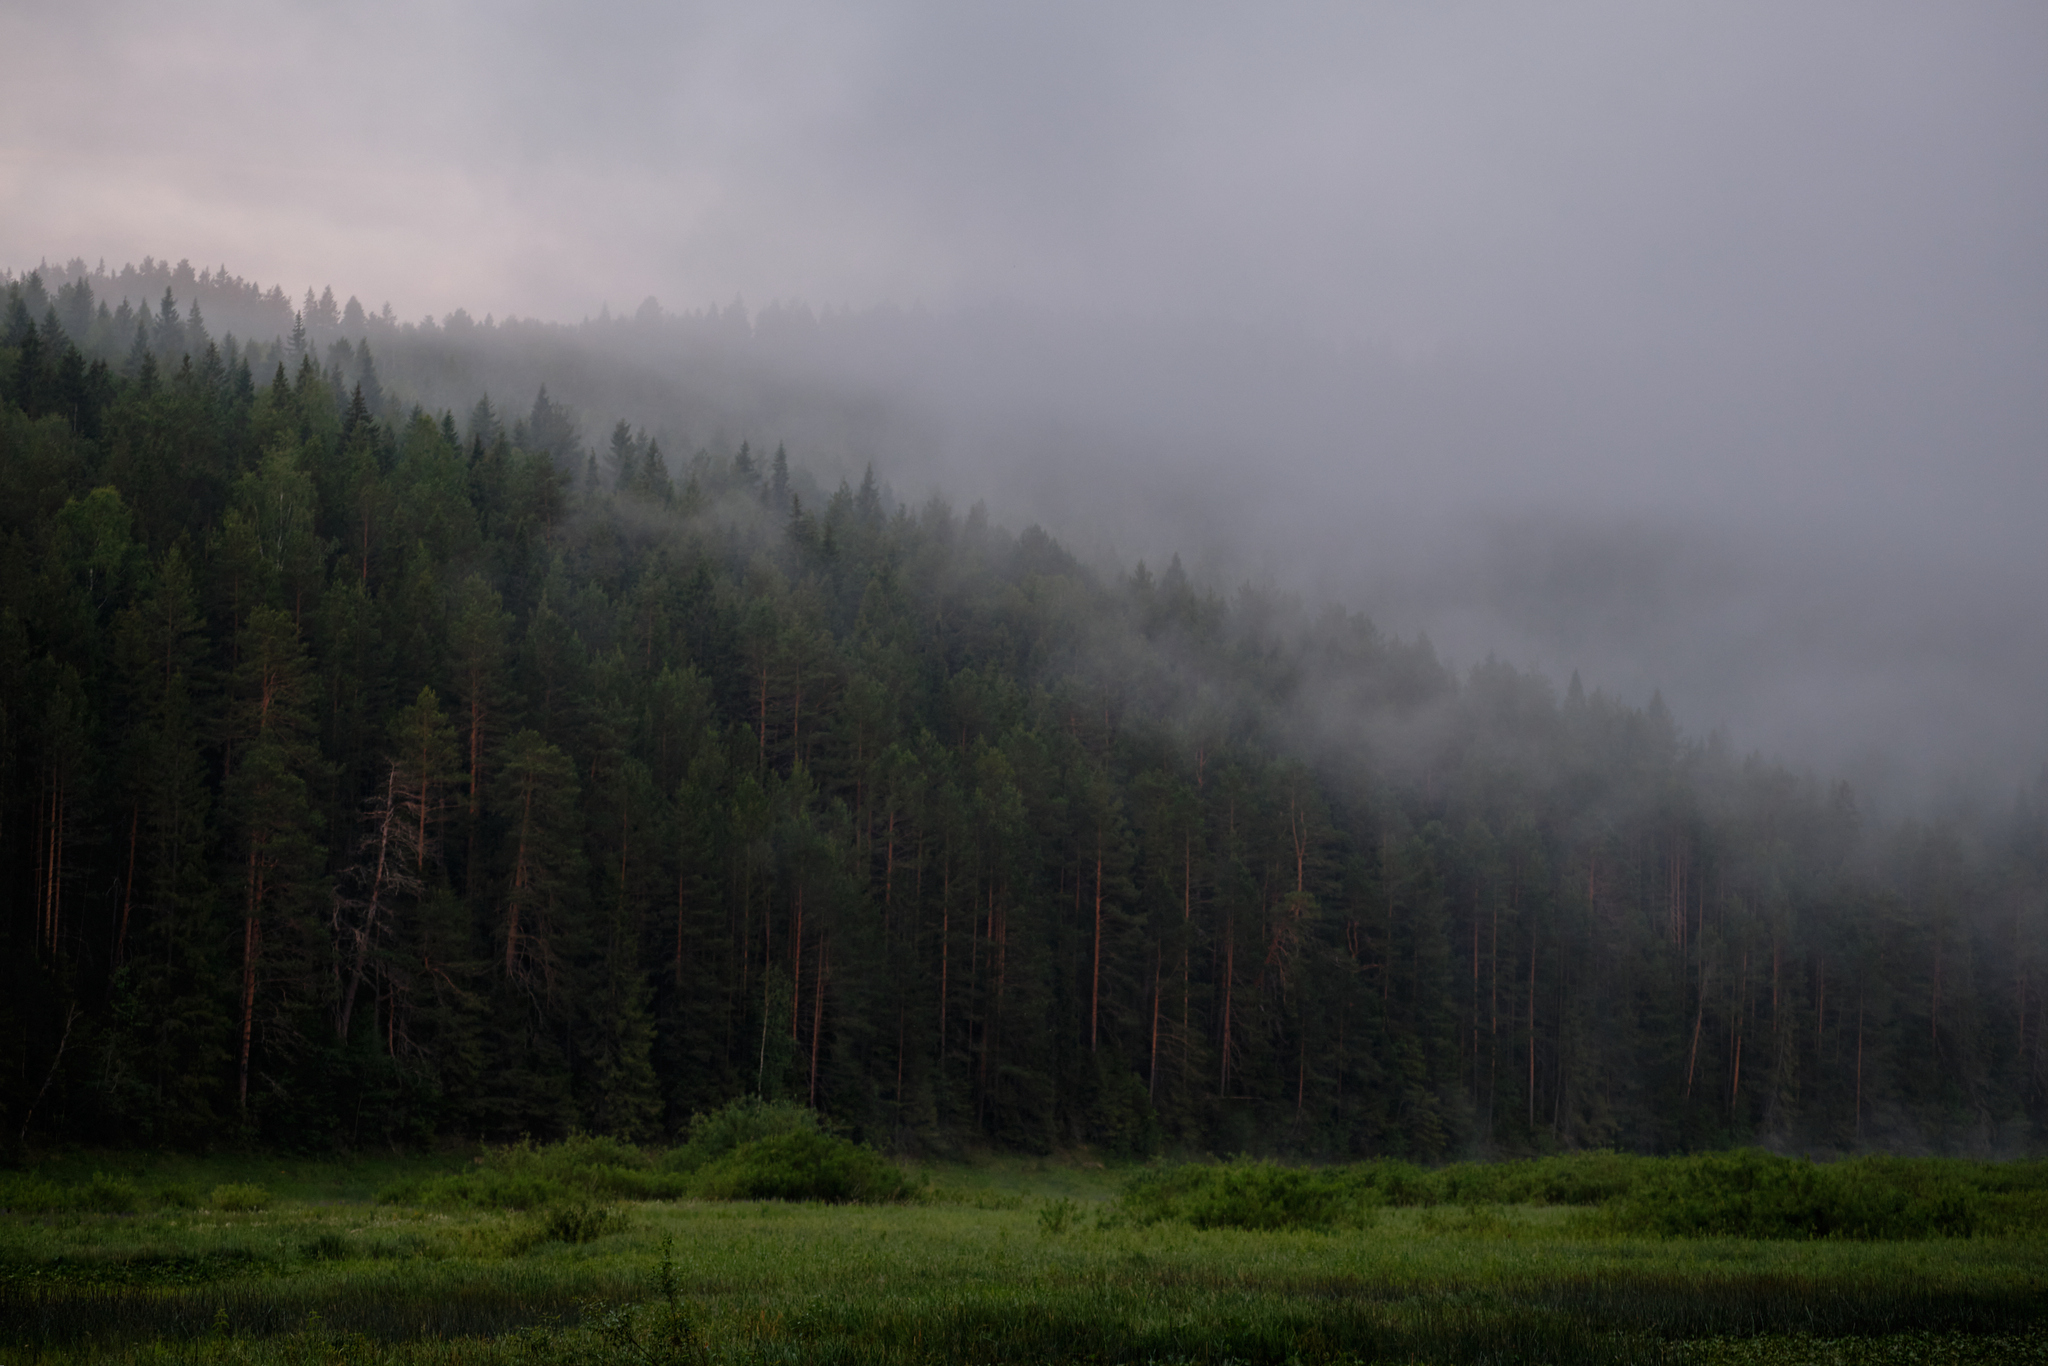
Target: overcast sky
{"x": 1702, "y": 344}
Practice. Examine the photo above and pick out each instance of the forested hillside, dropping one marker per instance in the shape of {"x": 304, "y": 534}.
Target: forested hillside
{"x": 371, "y": 774}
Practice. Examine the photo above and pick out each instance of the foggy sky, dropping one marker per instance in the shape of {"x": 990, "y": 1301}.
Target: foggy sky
{"x": 1700, "y": 346}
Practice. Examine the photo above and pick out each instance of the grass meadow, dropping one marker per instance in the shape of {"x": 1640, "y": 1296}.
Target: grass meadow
{"x": 600, "y": 1254}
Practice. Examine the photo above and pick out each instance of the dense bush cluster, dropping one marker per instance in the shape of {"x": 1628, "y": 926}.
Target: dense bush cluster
{"x": 803, "y": 1165}
{"x": 1752, "y": 1194}
{"x": 1742, "y": 1194}
{"x": 526, "y": 1176}
{"x": 748, "y": 1150}
{"x": 101, "y": 1193}
{"x": 1248, "y": 1195}
{"x": 27, "y": 1193}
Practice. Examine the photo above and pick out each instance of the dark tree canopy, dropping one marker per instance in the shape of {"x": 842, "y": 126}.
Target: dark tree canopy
{"x": 368, "y": 776}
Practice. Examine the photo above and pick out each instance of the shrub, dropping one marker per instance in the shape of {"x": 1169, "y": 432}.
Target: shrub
{"x": 1388, "y": 1182}
{"x": 1575, "y": 1179}
{"x": 746, "y": 1120}
{"x": 525, "y": 1176}
{"x": 238, "y": 1197}
{"x": 746, "y": 1150}
{"x": 582, "y": 1152}
{"x": 30, "y": 1195}
{"x": 99, "y": 1194}
{"x": 581, "y": 1222}
{"x": 1250, "y": 1195}
{"x": 1585, "y": 1178}
{"x": 177, "y": 1195}
{"x": 601, "y": 1168}
{"x": 1755, "y": 1194}
{"x": 803, "y": 1164}
{"x": 1262, "y": 1196}
{"x": 104, "y": 1194}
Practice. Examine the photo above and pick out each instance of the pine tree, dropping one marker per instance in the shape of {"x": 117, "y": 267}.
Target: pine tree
{"x": 654, "y": 482}
{"x": 537, "y": 793}
{"x": 276, "y": 848}
{"x": 622, "y": 462}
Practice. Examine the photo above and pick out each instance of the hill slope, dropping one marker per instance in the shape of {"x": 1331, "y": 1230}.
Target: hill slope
{"x": 373, "y": 774}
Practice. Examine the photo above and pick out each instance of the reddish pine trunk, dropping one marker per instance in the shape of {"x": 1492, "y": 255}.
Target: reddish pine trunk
{"x": 1859, "y": 1071}
{"x": 1187, "y": 897}
{"x": 796, "y": 964}
{"x": 761, "y": 759}
{"x": 945, "y": 948}
{"x": 520, "y": 881}
{"x": 1229, "y": 983}
{"x": 1095, "y": 982}
{"x": 128, "y": 885}
{"x": 355, "y": 981}
{"x": 476, "y": 775}
{"x": 1152, "y": 1066}
{"x": 1532, "y": 1029}
{"x": 50, "y": 856}
{"x": 680, "y": 906}
{"x": 817, "y": 1017}
{"x": 252, "y": 941}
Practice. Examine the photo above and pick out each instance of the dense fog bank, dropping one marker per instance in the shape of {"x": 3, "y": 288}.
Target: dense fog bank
{"x": 1832, "y": 563}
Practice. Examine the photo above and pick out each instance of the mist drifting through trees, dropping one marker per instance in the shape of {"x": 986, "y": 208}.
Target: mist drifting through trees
{"x": 459, "y": 728}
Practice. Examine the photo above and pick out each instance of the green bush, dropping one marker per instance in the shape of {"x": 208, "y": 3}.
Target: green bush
{"x": 1265, "y": 1197}
{"x": 99, "y": 1194}
{"x": 1741, "y": 1194}
{"x": 747, "y": 1150}
{"x": 1753, "y": 1194}
{"x": 803, "y": 1164}
{"x": 2013, "y": 1214}
{"x": 24, "y": 1194}
{"x": 525, "y": 1176}
{"x": 581, "y": 1222}
{"x": 177, "y": 1195}
{"x": 746, "y": 1120}
{"x": 600, "y": 1168}
{"x": 104, "y": 1194}
{"x": 1575, "y": 1179}
{"x": 238, "y": 1197}
{"x": 1056, "y": 1216}
{"x": 1388, "y": 1182}
{"x": 1250, "y": 1195}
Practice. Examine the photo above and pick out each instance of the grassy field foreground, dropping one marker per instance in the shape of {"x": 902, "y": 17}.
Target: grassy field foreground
{"x": 1008, "y": 1262}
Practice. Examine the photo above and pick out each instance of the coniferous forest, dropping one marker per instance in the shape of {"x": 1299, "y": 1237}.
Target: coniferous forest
{"x": 377, "y": 774}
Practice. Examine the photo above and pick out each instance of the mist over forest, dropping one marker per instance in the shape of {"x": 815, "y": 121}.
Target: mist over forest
{"x": 1396, "y": 579}
{"x": 1695, "y": 349}
{"x": 1902, "y": 651}
{"x": 495, "y": 769}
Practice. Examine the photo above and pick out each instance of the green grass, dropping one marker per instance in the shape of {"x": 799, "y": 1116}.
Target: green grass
{"x": 1012, "y": 1260}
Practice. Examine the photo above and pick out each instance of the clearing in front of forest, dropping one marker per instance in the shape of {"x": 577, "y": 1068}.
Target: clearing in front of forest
{"x": 591, "y": 1251}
